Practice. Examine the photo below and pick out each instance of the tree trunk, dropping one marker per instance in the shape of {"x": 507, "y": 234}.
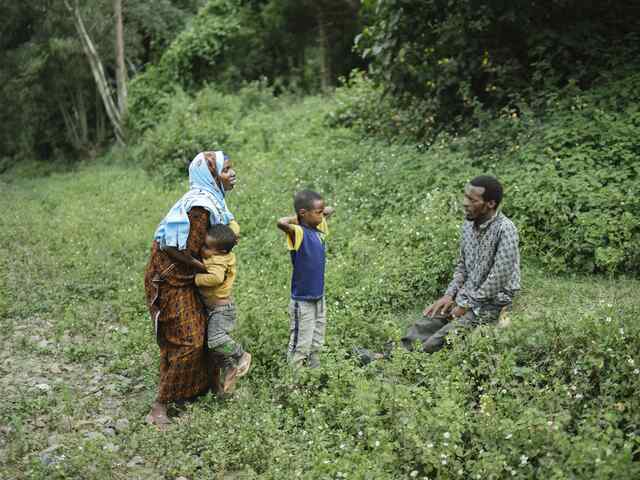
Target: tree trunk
{"x": 325, "y": 53}
{"x": 101, "y": 131}
{"x": 75, "y": 121}
{"x": 98, "y": 73}
{"x": 121, "y": 69}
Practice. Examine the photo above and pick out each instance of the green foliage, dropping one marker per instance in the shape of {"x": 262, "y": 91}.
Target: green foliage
{"x": 363, "y": 104}
{"x": 188, "y": 125}
{"x": 552, "y": 396}
{"x": 197, "y": 52}
{"x": 571, "y": 172}
{"x": 473, "y": 54}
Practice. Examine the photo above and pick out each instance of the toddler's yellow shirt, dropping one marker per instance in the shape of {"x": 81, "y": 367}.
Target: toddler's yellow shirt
{"x": 217, "y": 283}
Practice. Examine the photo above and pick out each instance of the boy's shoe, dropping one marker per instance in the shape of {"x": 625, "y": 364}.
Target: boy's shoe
{"x": 244, "y": 364}
{"x": 232, "y": 374}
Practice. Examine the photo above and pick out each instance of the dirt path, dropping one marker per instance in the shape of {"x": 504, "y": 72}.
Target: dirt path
{"x": 52, "y": 405}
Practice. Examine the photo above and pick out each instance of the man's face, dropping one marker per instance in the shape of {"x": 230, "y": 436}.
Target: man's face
{"x": 475, "y": 206}
{"x": 313, "y": 217}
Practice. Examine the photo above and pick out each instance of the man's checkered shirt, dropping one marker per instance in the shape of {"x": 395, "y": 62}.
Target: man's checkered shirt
{"x": 488, "y": 268}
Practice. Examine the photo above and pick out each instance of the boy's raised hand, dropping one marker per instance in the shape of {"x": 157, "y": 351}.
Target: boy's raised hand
{"x": 328, "y": 211}
{"x": 286, "y": 225}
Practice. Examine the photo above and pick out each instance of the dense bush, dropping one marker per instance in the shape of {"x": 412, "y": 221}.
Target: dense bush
{"x": 186, "y": 124}
{"x": 460, "y": 55}
{"x": 571, "y": 171}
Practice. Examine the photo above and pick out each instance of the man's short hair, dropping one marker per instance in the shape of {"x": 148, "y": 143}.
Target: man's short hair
{"x": 492, "y": 188}
{"x": 223, "y": 237}
{"x": 304, "y": 199}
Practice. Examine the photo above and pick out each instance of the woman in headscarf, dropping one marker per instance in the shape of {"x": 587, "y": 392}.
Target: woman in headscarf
{"x": 173, "y": 302}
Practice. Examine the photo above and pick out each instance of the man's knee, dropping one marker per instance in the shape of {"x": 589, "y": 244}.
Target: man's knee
{"x": 432, "y": 345}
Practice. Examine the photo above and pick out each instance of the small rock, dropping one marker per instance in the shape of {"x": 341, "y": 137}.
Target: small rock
{"x": 182, "y": 478}
{"x": 54, "y": 440}
{"x": 47, "y": 456}
{"x": 54, "y": 368}
{"x": 94, "y": 436}
{"x": 137, "y": 460}
{"x": 51, "y": 449}
{"x": 122, "y": 425}
{"x": 110, "y": 447}
{"x": 43, "y": 387}
{"x": 109, "y": 432}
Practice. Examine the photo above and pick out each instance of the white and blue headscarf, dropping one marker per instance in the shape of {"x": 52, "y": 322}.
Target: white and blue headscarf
{"x": 173, "y": 230}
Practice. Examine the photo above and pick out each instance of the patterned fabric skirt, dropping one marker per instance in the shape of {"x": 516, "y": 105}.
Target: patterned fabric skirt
{"x": 181, "y": 327}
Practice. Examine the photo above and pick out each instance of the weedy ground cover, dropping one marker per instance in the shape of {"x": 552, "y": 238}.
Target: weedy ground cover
{"x": 554, "y": 395}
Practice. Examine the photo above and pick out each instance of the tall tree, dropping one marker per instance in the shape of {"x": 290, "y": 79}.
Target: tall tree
{"x": 121, "y": 70}
{"x": 97, "y": 69}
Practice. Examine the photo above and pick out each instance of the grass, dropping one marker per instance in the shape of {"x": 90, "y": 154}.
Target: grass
{"x": 553, "y": 395}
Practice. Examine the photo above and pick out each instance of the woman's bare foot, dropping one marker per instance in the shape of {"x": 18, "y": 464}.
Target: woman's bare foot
{"x": 158, "y": 416}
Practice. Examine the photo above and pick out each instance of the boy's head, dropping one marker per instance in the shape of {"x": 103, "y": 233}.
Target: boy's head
{"x": 220, "y": 238}
{"x": 309, "y": 207}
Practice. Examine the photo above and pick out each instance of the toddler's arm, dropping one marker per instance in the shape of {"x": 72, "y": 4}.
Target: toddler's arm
{"x": 215, "y": 275}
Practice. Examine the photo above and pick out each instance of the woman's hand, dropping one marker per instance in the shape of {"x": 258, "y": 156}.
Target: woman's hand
{"x": 181, "y": 256}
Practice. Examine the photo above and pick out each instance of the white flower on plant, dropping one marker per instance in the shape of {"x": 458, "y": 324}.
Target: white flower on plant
{"x": 508, "y": 436}
{"x": 413, "y": 474}
{"x": 636, "y": 371}
{"x": 342, "y": 446}
{"x": 446, "y": 435}
{"x": 444, "y": 461}
{"x": 524, "y": 459}
{"x": 622, "y": 332}
{"x": 360, "y": 433}
{"x": 608, "y": 319}
{"x": 429, "y": 445}
{"x": 578, "y": 396}
{"x": 631, "y": 362}
{"x": 377, "y": 444}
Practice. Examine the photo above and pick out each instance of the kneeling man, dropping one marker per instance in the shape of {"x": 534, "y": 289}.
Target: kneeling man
{"x": 486, "y": 277}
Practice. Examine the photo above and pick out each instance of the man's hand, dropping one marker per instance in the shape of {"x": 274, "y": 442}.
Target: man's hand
{"x": 439, "y": 307}
{"x": 458, "y": 311}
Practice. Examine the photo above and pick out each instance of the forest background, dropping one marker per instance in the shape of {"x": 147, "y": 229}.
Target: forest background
{"x": 387, "y": 107}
